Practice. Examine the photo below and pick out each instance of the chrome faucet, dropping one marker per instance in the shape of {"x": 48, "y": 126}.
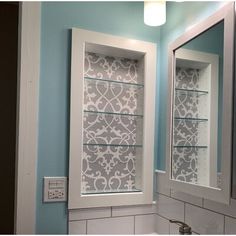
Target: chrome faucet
{"x": 183, "y": 228}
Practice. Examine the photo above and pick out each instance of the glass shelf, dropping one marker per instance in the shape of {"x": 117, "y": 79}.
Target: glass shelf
{"x": 112, "y": 97}
{"x": 190, "y": 146}
{"x": 105, "y": 128}
{"x": 191, "y": 119}
{"x": 112, "y": 113}
{"x": 111, "y": 145}
{"x": 112, "y": 191}
{"x": 191, "y": 91}
{"x": 114, "y": 81}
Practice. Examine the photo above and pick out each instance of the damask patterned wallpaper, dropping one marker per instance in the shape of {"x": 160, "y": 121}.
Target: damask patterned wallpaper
{"x": 113, "y": 115}
{"x": 189, "y": 153}
{"x": 113, "y": 68}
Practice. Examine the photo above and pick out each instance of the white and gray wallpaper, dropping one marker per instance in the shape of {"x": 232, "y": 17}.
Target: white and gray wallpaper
{"x": 188, "y": 153}
{"x": 113, "y": 68}
{"x": 112, "y": 123}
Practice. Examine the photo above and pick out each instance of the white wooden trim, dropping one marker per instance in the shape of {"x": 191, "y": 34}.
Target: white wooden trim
{"x": 234, "y": 138}
{"x": 27, "y": 120}
{"x": 226, "y": 13}
{"x": 81, "y": 38}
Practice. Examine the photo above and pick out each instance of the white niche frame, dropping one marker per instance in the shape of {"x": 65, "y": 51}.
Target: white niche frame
{"x": 121, "y": 47}
{"x": 226, "y": 14}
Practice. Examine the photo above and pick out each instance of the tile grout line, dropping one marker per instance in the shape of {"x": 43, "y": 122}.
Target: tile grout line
{"x": 180, "y": 200}
{"x": 217, "y": 212}
{"x": 168, "y": 226}
{"x": 184, "y": 212}
{"x": 162, "y": 216}
{"x": 224, "y": 226}
{"x": 96, "y": 218}
{"x": 105, "y": 217}
{"x": 163, "y": 194}
{"x": 86, "y": 226}
{"x": 134, "y": 224}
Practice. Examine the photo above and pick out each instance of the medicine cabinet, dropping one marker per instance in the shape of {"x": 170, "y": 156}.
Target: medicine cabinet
{"x": 111, "y": 120}
{"x": 199, "y": 117}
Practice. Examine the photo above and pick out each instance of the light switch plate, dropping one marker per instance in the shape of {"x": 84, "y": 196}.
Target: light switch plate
{"x": 55, "y": 189}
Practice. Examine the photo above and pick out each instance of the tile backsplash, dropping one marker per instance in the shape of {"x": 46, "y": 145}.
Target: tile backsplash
{"x": 115, "y": 220}
{"x": 204, "y": 216}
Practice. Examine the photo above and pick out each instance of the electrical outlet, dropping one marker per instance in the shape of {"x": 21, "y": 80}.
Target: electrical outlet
{"x": 56, "y": 194}
{"x": 55, "y": 189}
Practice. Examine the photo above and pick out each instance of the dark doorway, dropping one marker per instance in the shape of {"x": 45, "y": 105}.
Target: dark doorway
{"x": 8, "y": 98}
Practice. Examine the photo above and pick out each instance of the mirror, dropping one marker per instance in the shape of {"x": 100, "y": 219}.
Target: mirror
{"x": 197, "y": 109}
{"x": 200, "y": 108}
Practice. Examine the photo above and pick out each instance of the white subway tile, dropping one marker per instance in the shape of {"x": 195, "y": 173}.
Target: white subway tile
{"x": 117, "y": 225}
{"x": 145, "y": 224}
{"x": 229, "y": 210}
{"x": 186, "y": 197}
{"x": 162, "y": 225}
{"x": 91, "y": 213}
{"x": 77, "y": 227}
{"x": 230, "y": 225}
{"x": 174, "y": 228}
{"x": 161, "y": 183}
{"x": 169, "y": 207}
{"x": 133, "y": 210}
{"x": 203, "y": 221}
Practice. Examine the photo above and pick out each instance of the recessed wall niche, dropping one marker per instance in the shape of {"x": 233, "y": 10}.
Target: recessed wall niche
{"x": 112, "y": 123}
{"x": 112, "y": 120}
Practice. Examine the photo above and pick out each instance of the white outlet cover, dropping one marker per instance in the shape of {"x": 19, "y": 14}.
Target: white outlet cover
{"x": 54, "y": 189}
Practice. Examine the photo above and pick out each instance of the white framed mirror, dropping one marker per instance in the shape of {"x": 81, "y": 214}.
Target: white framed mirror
{"x": 199, "y": 136}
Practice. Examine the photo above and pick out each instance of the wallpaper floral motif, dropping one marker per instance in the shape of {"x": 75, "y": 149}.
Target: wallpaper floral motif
{"x": 187, "y": 123}
{"x": 187, "y": 78}
{"x": 186, "y": 104}
{"x": 108, "y": 169}
{"x": 112, "y": 124}
{"x": 184, "y": 164}
{"x": 107, "y": 96}
{"x": 114, "y": 68}
{"x": 110, "y": 129}
{"x": 185, "y": 132}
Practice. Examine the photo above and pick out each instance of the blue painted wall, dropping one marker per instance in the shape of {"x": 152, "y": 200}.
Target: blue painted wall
{"x": 118, "y": 18}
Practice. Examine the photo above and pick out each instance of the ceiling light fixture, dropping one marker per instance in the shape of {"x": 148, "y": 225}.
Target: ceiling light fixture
{"x": 154, "y": 13}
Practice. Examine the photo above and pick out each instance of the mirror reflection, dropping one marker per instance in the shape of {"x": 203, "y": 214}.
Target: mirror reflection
{"x": 197, "y": 109}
